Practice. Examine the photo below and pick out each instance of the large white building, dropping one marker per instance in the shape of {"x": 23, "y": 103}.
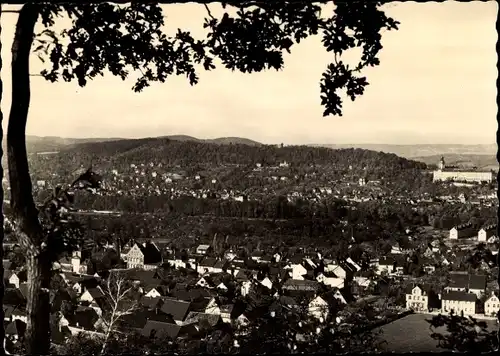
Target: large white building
{"x": 491, "y": 305}
{"x": 443, "y": 174}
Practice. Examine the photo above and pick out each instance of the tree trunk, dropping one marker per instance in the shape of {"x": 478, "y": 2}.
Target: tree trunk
{"x": 2, "y": 286}
{"x": 25, "y": 214}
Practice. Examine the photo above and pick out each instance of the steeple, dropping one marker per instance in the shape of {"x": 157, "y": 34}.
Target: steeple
{"x": 441, "y": 165}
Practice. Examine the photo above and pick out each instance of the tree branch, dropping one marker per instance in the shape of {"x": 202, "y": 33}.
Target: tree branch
{"x": 209, "y": 12}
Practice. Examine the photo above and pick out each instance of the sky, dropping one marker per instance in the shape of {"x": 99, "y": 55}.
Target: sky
{"x": 436, "y": 84}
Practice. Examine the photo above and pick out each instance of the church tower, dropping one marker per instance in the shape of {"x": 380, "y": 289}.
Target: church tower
{"x": 441, "y": 164}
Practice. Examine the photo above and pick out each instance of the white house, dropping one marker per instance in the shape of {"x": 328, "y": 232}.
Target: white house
{"x": 14, "y": 280}
{"x": 153, "y": 293}
{"x": 417, "y": 299}
{"x": 202, "y": 249}
{"x": 491, "y": 305}
{"x": 486, "y": 232}
{"x": 266, "y": 282}
{"x": 212, "y": 307}
{"x": 318, "y": 308}
{"x": 330, "y": 279}
{"x": 176, "y": 262}
{"x": 459, "y": 302}
{"x": 245, "y": 288}
{"x": 297, "y": 271}
{"x": 145, "y": 256}
{"x": 336, "y": 269}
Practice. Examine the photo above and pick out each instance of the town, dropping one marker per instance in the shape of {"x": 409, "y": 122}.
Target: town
{"x": 184, "y": 286}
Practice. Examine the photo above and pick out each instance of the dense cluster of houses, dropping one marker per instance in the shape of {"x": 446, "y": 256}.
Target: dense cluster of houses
{"x": 195, "y": 288}
{"x": 177, "y": 290}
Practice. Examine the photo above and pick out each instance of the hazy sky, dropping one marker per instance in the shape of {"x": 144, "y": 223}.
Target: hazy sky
{"x": 436, "y": 84}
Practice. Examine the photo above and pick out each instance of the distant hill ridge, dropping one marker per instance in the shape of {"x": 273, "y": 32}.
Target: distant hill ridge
{"x": 420, "y": 152}
{"x": 188, "y": 153}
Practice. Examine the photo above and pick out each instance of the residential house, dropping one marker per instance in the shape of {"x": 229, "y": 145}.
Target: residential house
{"x": 208, "y": 265}
{"x": 461, "y": 231}
{"x": 297, "y": 270}
{"x": 225, "y": 312}
{"x": 256, "y": 255}
{"x": 318, "y": 308}
{"x": 339, "y": 296}
{"x": 202, "y": 249}
{"x": 213, "y": 281}
{"x": 492, "y": 305}
{"x": 384, "y": 265}
{"x": 178, "y": 309}
{"x": 266, "y": 282}
{"x": 152, "y": 292}
{"x": 330, "y": 279}
{"x": 161, "y": 330}
{"x": 176, "y": 261}
{"x": 486, "y": 232}
{"x": 466, "y": 282}
{"x": 11, "y": 278}
{"x": 76, "y": 263}
{"x": 429, "y": 269}
{"x": 459, "y": 302}
{"x": 421, "y": 298}
{"x": 300, "y": 285}
{"x": 144, "y": 256}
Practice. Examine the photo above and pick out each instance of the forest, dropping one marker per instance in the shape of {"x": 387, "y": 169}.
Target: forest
{"x": 120, "y": 154}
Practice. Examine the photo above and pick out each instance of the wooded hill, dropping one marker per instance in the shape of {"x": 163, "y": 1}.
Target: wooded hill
{"x": 121, "y": 153}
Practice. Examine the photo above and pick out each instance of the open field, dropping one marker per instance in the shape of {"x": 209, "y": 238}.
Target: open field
{"x": 412, "y": 334}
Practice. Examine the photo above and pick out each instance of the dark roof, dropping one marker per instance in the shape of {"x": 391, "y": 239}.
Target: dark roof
{"x": 151, "y": 253}
{"x": 139, "y": 318}
{"x": 6, "y": 264}
{"x": 16, "y": 327}
{"x": 160, "y": 330}
{"x": 208, "y": 262}
{"x": 301, "y": 284}
{"x": 195, "y": 317}
{"x": 14, "y": 297}
{"x": 460, "y": 296}
{"x": 468, "y": 281}
{"x": 84, "y": 317}
{"x": 178, "y": 309}
{"x": 297, "y": 258}
{"x": 463, "y": 226}
{"x": 151, "y": 302}
{"x": 96, "y": 293}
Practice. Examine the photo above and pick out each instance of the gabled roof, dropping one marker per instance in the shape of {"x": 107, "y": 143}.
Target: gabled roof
{"x": 13, "y": 297}
{"x": 160, "y": 330}
{"x": 178, "y": 309}
{"x": 208, "y": 262}
{"x": 468, "y": 281}
{"x": 151, "y": 303}
{"x": 95, "y": 293}
{"x": 16, "y": 327}
{"x": 84, "y": 317}
{"x": 151, "y": 252}
{"x": 196, "y": 317}
{"x": 488, "y": 228}
{"x": 459, "y": 296}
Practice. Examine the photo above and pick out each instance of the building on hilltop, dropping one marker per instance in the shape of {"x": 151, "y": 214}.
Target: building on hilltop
{"x": 444, "y": 173}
